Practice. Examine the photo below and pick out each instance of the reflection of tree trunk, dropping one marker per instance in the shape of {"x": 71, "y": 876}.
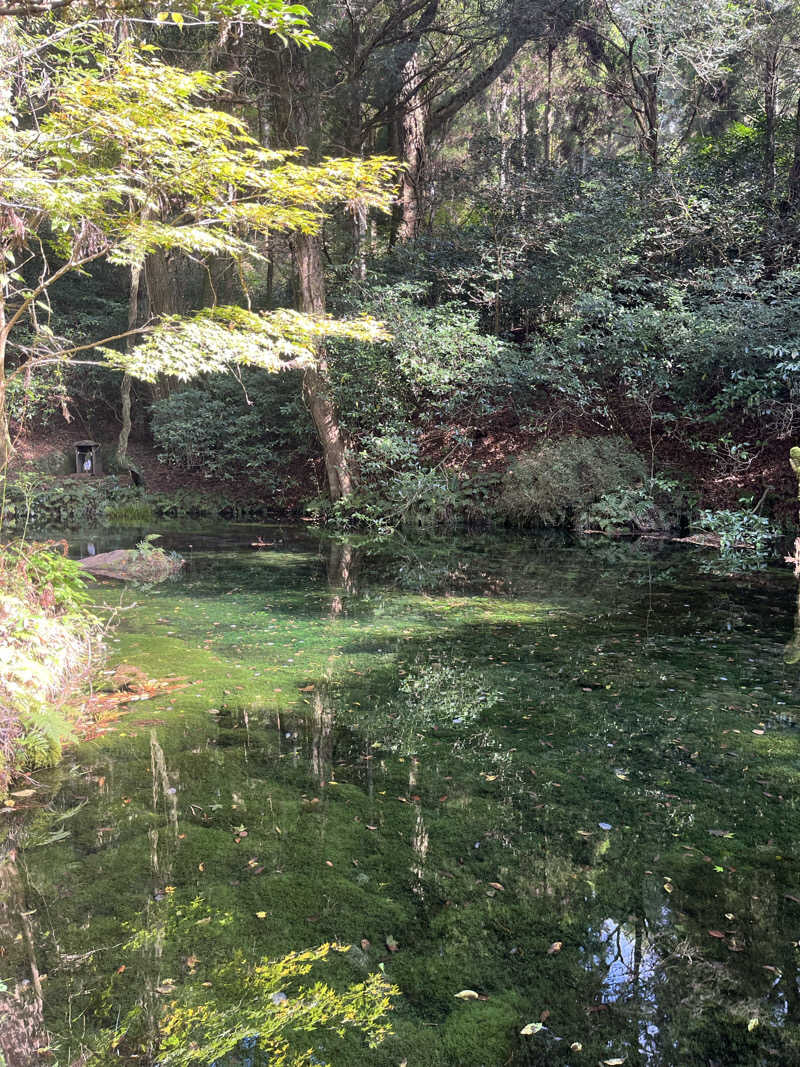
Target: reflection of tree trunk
{"x": 637, "y": 953}
{"x": 420, "y": 840}
{"x": 342, "y": 565}
{"x": 791, "y": 654}
{"x": 22, "y": 1030}
{"x": 321, "y": 735}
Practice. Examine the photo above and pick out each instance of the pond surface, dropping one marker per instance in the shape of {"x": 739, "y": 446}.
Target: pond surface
{"x": 563, "y": 778}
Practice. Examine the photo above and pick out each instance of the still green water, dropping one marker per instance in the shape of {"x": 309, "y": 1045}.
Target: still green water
{"x": 562, "y": 777}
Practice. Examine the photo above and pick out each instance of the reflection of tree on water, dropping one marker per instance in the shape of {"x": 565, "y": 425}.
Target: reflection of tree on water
{"x": 791, "y": 654}
{"x": 343, "y": 563}
{"x": 22, "y": 1032}
{"x": 322, "y": 720}
{"x": 434, "y": 696}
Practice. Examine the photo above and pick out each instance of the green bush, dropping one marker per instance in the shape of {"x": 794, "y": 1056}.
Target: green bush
{"x": 557, "y": 485}
{"x": 652, "y": 505}
{"x": 738, "y": 531}
{"x": 49, "y": 641}
{"x": 226, "y": 427}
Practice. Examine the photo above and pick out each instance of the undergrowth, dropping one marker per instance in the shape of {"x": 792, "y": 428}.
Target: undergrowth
{"x": 49, "y": 643}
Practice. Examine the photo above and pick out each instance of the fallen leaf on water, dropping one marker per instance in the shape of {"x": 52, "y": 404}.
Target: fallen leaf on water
{"x": 555, "y": 947}
{"x": 532, "y": 1028}
{"x": 469, "y": 994}
{"x": 716, "y": 933}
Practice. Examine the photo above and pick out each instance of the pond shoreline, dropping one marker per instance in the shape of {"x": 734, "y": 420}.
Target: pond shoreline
{"x": 52, "y": 645}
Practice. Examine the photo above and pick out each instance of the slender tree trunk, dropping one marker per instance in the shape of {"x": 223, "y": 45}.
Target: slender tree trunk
{"x": 548, "y": 106}
{"x": 412, "y": 143}
{"x": 359, "y": 242}
{"x": 522, "y": 124}
{"x": 125, "y": 389}
{"x": 316, "y": 385}
{"x": 794, "y": 173}
{"x": 7, "y": 51}
{"x": 651, "y": 140}
{"x": 502, "y": 114}
{"x": 6, "y": 448}
{"x": 770, "y": 113}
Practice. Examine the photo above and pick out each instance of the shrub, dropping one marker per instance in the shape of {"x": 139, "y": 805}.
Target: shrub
{"x": 226, "y": 428}
{"x": 47, "y": 643}
{"x": 557, "y": 485}
{"x": 737, "y": 530}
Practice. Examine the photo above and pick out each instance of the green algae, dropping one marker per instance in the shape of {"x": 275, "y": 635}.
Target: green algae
{"x": 539, "y": 746}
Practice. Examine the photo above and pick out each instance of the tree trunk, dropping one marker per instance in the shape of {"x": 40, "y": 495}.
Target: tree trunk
{"x": 174, "y": 286}
{"x": 6, "y": 448}
{"x": 411, "y": 135}
{"x": 651, "y": 138}
{"x": 548, "y": 106}
{"x": 316, "y": 385}
{"x": 794, "y": 173}
{"x": 770, "y": 112}
{"x": 7, "y": 50}
{"x": 125, "y": 389}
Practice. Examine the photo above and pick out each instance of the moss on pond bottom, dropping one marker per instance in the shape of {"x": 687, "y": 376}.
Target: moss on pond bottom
{"x": 362, "y": 810}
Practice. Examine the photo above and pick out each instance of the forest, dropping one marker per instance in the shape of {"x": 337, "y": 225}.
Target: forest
{"x": 431, "y": 369}
{"x": 543, "y": 222}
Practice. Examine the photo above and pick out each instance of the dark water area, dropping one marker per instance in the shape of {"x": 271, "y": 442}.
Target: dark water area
{"x": 561, "y": 779}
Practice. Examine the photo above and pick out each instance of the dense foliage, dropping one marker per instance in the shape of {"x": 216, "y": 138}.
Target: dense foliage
{"x": 595, "y": 234}
{"x": 48, "y": 637}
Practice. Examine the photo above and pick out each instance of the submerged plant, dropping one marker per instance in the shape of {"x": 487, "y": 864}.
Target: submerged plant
{"x": 264, "y": 1011}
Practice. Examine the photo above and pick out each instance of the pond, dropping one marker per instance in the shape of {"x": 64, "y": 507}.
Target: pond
{"x": 558, "y": 779}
